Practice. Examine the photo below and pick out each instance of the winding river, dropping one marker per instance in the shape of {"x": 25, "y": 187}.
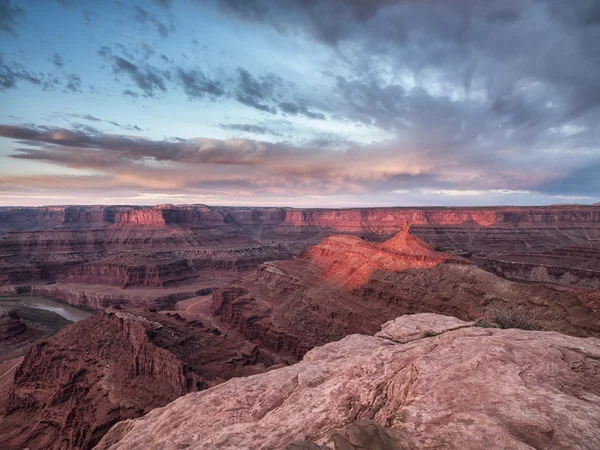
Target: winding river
{"x": 67, "y": 311}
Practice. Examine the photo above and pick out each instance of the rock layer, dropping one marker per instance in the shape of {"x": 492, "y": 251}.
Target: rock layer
{"x": 469, "y": 388}
{"x": 71, "y": 388}
{"x": 172, "y": 245}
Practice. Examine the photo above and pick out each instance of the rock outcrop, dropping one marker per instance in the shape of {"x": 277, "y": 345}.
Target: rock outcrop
{"x": 71, "y": 388}
{"x": 458, "y": 387}
{"x": 346, "y": 285}
{"x": 11, "y": 327}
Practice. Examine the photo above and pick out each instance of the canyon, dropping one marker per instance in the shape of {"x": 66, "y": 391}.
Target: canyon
{"x": 346, "y": 285}
{"x": 167, "y": 247}
{"x": 192, "y": 298}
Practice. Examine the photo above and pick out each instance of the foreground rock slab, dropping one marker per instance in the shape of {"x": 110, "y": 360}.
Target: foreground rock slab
{"x": 466, "y": 388}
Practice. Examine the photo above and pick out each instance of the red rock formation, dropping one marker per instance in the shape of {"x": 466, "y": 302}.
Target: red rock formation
{"x": 358, "y": 220}
{"x": 146, "y": 216}
{"x": 454, "y": 388}
{"x": 345, "y": 285}
{"x": 171, "y": 245}
{"x": 362, "y": 259}
{"x": 128, "y": 256}
{"x": 11, "y": 327}
{"x": 72, "y": 387}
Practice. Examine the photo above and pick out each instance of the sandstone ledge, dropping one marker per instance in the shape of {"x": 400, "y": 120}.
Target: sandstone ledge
{"x": 469, "y": 388}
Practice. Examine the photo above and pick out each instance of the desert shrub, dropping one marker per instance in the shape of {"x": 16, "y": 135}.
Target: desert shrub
{"x": 505, "y": 315}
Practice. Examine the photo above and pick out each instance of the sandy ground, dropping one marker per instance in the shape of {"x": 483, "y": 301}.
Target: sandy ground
{"x": 197, "y": 308}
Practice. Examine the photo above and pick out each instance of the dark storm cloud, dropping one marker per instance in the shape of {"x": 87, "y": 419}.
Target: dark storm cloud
{"x": 10, "y": 16}
{"x": 327, "y": 20}
{"x": 500, "y": 50}
{"x": 149, "y": 79}
{"x": 197, "y": 86}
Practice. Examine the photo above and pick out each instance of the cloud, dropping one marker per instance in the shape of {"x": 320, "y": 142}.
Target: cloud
{"x": 73, "y": 83}
{"x": 88, "y": 16}
{"x": 130, "y": 93}
{"x": 10, "y": 16}
{"x": 167, "y": 4}
{"x": 58, "y": 61}
{"x": 250, "y": 128}
{"x": 327, "y": 166}
{"x": 581, "y": 181}
{"x": 255, "y": 92}
{"x": 13, "y": 74}
{"x": 295, "y": 109}
{"x": 329, "y": 21}
{"x": 196, "y": 86}
{"x": 149, "y": 79}
{"x": 85, "y": 117}
{"x": 125, "y": 127}
{"x": 143, "y": 17}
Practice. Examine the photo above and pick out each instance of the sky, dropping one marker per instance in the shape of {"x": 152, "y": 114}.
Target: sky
{"x": 307, "y": 103}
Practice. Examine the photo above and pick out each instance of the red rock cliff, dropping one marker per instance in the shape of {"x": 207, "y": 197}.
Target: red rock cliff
{"x": 71, "y": 388}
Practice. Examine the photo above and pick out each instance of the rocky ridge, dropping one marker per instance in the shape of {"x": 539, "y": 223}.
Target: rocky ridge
{"x": 426, "y": 381}
{"x": 70, "y": 389}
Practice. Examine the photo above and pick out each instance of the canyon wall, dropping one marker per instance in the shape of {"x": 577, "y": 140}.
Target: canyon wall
{"x": 381, "y": 220}
{"x": 169, "y": 246}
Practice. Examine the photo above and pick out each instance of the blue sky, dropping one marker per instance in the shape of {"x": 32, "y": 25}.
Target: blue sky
{"x": 292, "y": 103}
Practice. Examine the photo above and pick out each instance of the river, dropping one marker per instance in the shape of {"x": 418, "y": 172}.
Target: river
{"x": 67, "y": 311}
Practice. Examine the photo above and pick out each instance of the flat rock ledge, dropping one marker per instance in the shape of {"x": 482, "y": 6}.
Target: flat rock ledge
{"x": 419, "y": 326}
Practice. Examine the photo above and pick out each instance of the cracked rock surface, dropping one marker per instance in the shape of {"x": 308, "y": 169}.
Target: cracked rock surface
{"x": 465, "y": 388}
